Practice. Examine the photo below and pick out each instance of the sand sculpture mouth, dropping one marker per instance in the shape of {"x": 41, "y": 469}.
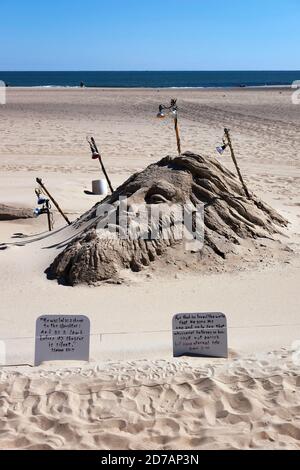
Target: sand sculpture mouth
{"x": 231, "y": 220}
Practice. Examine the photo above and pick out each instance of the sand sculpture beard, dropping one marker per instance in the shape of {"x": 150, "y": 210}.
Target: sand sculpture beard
{"x": 106, "y": 245}
{"x": 133, "y": 220}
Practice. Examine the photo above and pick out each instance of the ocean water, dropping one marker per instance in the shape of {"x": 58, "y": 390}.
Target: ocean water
{"x": 150, "y": 79}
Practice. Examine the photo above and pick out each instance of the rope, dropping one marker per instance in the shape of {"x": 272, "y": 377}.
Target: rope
{"x": 128, "y": 333}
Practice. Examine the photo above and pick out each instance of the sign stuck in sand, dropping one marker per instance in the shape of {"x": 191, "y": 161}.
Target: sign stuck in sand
{"x": 62, "y": 338}
{"x": 200, "y": 335}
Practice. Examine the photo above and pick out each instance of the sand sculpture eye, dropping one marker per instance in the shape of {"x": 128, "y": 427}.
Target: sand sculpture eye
{"x": 157, "y": 199}
{"x": 160, "y": 192}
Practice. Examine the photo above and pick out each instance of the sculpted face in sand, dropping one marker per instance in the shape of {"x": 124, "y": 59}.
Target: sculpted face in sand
{"x": 108, "y": 243}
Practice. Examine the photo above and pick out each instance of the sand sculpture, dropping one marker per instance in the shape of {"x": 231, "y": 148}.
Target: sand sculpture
{"x": 233, "y": 222}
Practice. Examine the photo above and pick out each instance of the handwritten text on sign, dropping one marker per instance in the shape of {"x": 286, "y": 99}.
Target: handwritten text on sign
{"x": 62, "y": 338}
{"x": 200, "y": 334}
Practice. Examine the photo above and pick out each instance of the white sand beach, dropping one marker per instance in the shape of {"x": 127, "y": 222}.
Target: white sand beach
{"x": 133, "y": 394}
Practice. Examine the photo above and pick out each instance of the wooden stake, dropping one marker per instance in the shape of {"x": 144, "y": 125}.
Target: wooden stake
{"x": 173, "y": 108}
{"x": 102, "y": 165}
{"x": 48, "y": 216}
{"x": 177, "y": 135}
{"x": 40, "y": 182}
{"x": 227, "y": 134}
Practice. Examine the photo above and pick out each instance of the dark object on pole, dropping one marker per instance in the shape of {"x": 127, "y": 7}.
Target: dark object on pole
{"x": 40, "y": 182}
{"x": 228, "y": 143}
{"x": 172, "y": 110}
{"x": 97, "y": 156}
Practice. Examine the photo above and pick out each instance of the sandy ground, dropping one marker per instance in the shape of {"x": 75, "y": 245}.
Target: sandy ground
{"x": 188, "y": 405}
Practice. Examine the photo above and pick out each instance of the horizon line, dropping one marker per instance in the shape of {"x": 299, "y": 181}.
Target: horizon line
{"x": 147, "y": 71}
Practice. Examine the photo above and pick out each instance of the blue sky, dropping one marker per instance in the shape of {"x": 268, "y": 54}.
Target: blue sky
{"x": 149, "y": 35}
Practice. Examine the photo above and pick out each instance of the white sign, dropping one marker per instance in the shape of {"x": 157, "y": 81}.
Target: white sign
{"x": 62, "y": 338}
{"x": 200, "y": 334}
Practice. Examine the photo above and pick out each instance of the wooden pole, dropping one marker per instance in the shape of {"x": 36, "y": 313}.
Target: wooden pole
{"x": 48, "y": 216}
{"x": 171, "y": 110}
{"x": 40, "y": 182}
{"x": 177, "y": 135}
{"x": 227, "y": 134}
{"x": 102, "y": 165}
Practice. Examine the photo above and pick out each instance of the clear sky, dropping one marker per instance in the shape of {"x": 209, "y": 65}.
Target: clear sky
{"x": 149, "y": 34}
